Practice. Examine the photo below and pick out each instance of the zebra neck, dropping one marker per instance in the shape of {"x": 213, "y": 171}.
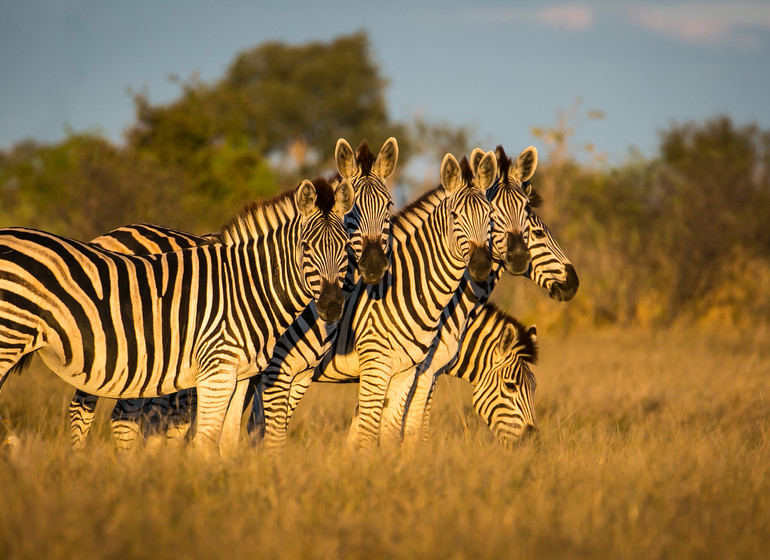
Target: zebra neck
{"x": 425, "y": 270}
{"x": 266, "y": 282}
{"x": 473, "y": 354}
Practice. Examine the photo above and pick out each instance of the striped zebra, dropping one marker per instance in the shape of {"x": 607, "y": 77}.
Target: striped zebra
{"x": 136, "y": 239}
{"x": 390, "y": 326}
{"x": 549, "y": 267}
{"x": 138, "y": 326}
{"x": 494, "y": 356}
{"x": 512, "y": 220}
{"x": 368, "y": 225}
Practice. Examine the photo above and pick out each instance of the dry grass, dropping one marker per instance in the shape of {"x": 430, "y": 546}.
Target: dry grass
{"x": 652, "y": 445}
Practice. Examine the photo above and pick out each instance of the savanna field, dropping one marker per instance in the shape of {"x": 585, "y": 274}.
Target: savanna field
{"x": 652, "y": 444}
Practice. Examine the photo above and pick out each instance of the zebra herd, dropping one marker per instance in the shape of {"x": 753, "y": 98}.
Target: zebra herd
{"x": 321, "y": 283}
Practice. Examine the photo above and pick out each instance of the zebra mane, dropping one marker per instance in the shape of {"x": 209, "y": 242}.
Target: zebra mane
{"x": 465, "y": 169}
{"x": 419, "y": 207}
{"x": 365, "y": 158}
{"x": 505, "y": 166}
{"x": 529, "y": 348}
{"x": 258, "y": 217}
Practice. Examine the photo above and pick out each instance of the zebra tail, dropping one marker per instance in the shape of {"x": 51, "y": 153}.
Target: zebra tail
{"x": 19, "y": 367}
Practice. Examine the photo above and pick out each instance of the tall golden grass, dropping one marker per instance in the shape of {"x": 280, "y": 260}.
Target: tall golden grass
{"x": 652, "y": 444}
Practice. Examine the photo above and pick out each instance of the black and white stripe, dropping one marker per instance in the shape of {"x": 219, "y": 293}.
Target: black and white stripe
{"x": 495, "y": 355}
{"x": 513, "y": 219}
{"x": 390, "y": 326}
{"x": 368, "y": 225}
{"x": 137, "y": 326}
{"x": 515, "y": 224}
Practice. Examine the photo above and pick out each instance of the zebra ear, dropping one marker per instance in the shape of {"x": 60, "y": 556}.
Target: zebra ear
{"x": 476, "y": 156}
{"x": 507, "y": 341}
{"x": 346, "y": 159}
{"x": 487, "y": 171}
{"x": 526, "y": 164}
{"x": 451, "y": 177}
{"x": 387, "y": 158}
{"x": 344, "y": 197}
{"x": 532, "y": 332}
{"x": 527, "y": 186}
{"x": 306, "y": 197}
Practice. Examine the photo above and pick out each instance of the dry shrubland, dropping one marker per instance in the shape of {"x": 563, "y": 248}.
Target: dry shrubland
{"x": 652, "y": 444}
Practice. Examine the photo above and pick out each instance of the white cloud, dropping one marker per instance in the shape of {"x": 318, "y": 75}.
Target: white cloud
{"x": 705, "y": 22}
{"x": 573, "y": 17}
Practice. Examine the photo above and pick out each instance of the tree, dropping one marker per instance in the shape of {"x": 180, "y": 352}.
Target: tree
{"x": 274, "y": 99}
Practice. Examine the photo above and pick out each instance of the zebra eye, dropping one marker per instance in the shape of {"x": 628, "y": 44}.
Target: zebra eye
{"x": 511, "y": 385}
{"x": 539, "y": 233}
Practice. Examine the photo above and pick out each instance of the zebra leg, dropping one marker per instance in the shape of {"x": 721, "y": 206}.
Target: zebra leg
{"x": 372, "y": 390}
{"x": 280, "y": 401}
{"x": 255, "y": 425}
{"x": 416, "y": 421}
{"x": 276, "y": 387}
{"x": 395, "y": 405}
{"x": 125, "y": 422}
{"x": 299, "y": 386}
{"x": 154, "y": 420}
{"x": 215, "y": 391}
{"x": 181, "y": 408}
{"x": 425, "y": 437}
{"x": 231, "y": 428}
{"x": 82, "y": 411}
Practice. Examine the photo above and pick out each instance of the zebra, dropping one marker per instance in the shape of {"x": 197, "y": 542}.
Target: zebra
{"x": 548, "y": 267}
{"x": 136, "y": 326}
{"x": 494, "y": 356}
{"x": 368, "y": 225}
{"x": 512, "y": 198}
{"x": 136, "y": 239}
{"x": 435, "y": 238}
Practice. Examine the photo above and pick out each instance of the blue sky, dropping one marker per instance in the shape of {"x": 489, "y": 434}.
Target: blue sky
{"x": 499, "y": 68}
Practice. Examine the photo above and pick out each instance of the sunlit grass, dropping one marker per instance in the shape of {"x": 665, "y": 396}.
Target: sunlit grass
{"x": 651, "y": 445}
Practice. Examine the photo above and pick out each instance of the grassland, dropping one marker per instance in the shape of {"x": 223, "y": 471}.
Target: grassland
{"x": 652, "y": 444}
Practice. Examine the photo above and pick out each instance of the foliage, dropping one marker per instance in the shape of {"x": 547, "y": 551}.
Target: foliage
{"x": 681, "y": 236}
{"x": 274, "y": 99}
{"x": 672, "y": 238}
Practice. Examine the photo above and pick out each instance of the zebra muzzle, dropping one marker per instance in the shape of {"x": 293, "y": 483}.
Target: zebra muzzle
{"x": 517, "y": 257}
{"x": 480, "y": 263}
{"x": 373, "y": 263}
{"x": 330, "y": 302}
{"x": 565, "y": 291}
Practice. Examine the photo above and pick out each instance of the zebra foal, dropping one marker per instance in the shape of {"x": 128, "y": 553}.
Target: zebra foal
{"x": 137, "y": 326}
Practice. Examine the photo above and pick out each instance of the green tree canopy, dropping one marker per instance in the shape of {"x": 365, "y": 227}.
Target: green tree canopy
{"x": 273, "y": 99}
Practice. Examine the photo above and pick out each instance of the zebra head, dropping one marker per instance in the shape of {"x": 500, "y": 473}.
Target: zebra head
{"x": 323, "y": 242}
{"x": 510, "y": 208}
{"x": 520, "y": 239}
{"x": 469, "y": 211}
{"x": 503, "y": 394}
{"x": 369, "y": 222}
{"x": 550, "y": 268}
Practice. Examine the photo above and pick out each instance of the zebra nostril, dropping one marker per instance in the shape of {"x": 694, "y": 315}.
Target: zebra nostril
{"x": 480, "y": 263}
{"x": 517, "y": 255}
{"x": 373, "y": 263}
{"x": 330, "y": 302}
